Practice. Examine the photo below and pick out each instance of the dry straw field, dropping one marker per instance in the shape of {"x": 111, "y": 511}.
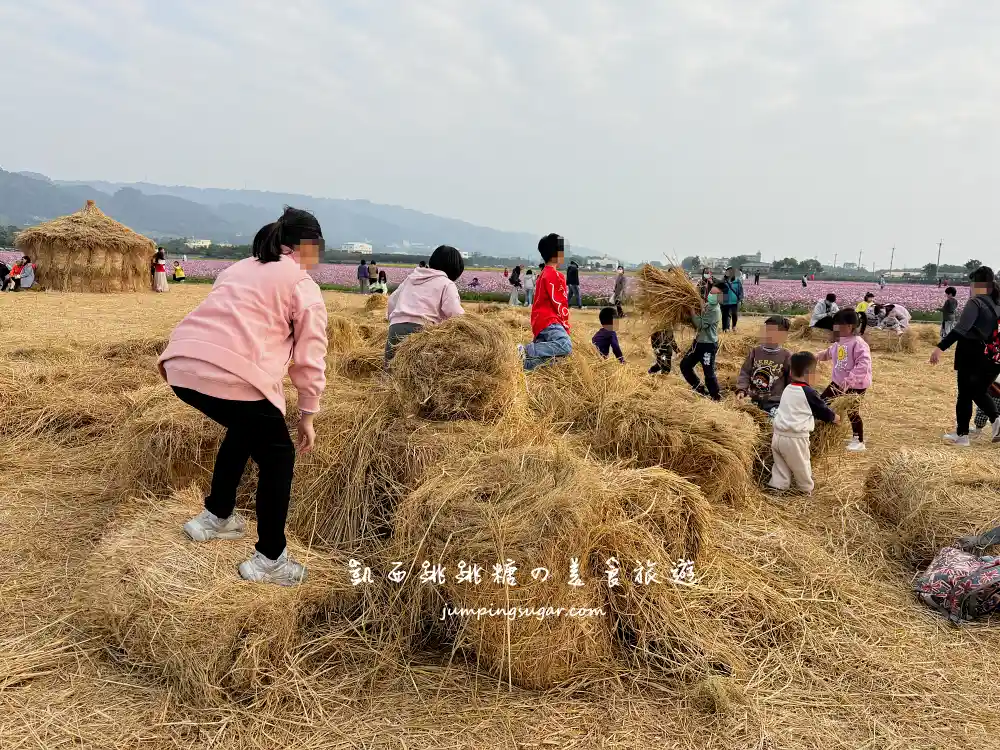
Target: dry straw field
{"x": 801, "y": 632}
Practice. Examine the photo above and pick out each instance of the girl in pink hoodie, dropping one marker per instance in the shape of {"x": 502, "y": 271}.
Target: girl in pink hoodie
{"x": 852, "y": 369}
{"x": 228, "y": 359}
{"x": 426, "y": 296}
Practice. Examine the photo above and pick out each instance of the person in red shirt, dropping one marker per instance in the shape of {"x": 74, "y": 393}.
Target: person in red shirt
{"x": 550, "y": 309}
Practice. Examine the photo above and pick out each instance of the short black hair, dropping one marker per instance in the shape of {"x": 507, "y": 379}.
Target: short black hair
{"x": 606, "y": 315}
{"x": 869, "y": 295}
{"x": 778, "y": 321}
{"x": 831, "y": 297}
{"x": 291, "y": 229}
{"x": 951, "y": 290}
{"x": 801, "y": 363}
{"x": 846, "y": 317}
{"x": 448, "y": 259}
{"x": 550, "y": 246}
{"x": 27, "y": 259}
{"x": 890, "y": 307}
{"x": 423, "y": 264}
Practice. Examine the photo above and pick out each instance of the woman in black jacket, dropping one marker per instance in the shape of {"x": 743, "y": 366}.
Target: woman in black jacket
{"x": 515, "y": 286}
{"x": 974, "y": 369}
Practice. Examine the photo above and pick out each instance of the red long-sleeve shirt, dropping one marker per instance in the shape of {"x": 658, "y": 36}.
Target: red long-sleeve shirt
{"x": 551, "y": 304}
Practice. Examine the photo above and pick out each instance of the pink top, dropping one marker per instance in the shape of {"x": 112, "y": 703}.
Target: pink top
{"x": 425, "y": 297}
{"x": 852, "y": 362}
{"x": 259, "y": 320}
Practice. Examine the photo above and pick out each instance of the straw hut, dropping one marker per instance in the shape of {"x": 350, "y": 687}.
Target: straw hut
{"x": 88, "y": 252}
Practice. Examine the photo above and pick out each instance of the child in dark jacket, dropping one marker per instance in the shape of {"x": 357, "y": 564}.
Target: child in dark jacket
{"x": 606, "y": 340}
{"x": 664, "y": 345}
{"x": 764, "y": 374}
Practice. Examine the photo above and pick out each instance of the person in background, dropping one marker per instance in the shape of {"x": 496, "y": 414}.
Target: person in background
{"x": 573, "y": 284}
{"x": 897, "y": 318}
{"x": 705, "y": 285}
{"x": 529, "y": 287}
{"x": 794, "y": 419}
{"x": 804, "y": 284}
{"x": 178, "y": 271}
{"x": 550, "y": 309}
{"x": 756, "y": 278}
{"x": 823, "y": 312}
{"x": 515, "y": 286}
{"x": 881, "y": 281}
{"x": 765, "y": 371}
{"x": 705, "y": 347}
{"x": 422, "y": 264}
{"x": 664, "y": 347}
{"x": 4, "y": 273}
{"x": 160, "y": 272}
{"x": 852, "y": 370}
{"x": 228, "y": 358}
{"x": 380, "y": 285}
{"x": 363, "y": 277}
{"x": 619, "y": 294}
{"x": 863, "y": 311}
{"x": 21, "y": 276}
{"x": 976, "y": 363}
{"x": 732, "y": 296}
{"x": 474, "y": 284}
{"x": 949, "y": 310}
{"x": 506, "y": 273}
{"x": 606, "y": 340}
{"x": 426, "y": 297}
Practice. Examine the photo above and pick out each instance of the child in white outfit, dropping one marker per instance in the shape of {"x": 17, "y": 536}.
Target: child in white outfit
{"x": 794, "y": 419}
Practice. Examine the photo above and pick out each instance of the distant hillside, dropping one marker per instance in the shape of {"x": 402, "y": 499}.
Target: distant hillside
{"x": 235, "y": 215}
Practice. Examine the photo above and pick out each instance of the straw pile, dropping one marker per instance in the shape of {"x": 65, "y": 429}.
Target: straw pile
{"x": 889, "y": 341}
{"x": 927, "y": 334}
{"x": 828, "y": 438}
{"x": 464, "y": 368}
{"x": 538, "y": 508}
{"x": 375, "y": 302}
{"x": 799, "y": 328}
{"x": 623, "y": 416}
{"x": 88, "y": 252}
{"x": 931, "y": 497}
{"x": 666, "y": 297}
{"x": 180, "y": 609}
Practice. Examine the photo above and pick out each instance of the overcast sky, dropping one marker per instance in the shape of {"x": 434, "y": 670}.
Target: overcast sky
{"x": 638, "y": 127}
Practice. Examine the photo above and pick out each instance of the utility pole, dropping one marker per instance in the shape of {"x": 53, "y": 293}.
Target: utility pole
{"x": 892, "y": 255}
{"x": 834, "y": 260}
{"x": 938, "y": 269}
{"x": 860, "y": 267}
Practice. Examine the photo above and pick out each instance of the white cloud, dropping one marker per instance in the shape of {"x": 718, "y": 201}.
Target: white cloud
{"x": 639, "y": 127}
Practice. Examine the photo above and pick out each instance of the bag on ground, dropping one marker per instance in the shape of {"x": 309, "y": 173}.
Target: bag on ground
{"x": 960, "y": 585}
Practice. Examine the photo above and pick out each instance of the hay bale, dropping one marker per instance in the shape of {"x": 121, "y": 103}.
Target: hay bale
{"x": 538, "y": 507}
{"x": 622, "y": 416}
{"x": 161, "y": 602}
{"x": 718, "y": 695}
{"x": 342, "y": 334}
{"x": 666, "y": 297}
{"x": 464, "y": 368}
{"x": 880, "y": 340}
{"x": 828, "y": 438}
{"x": 375, "y": 302}
{"x": 928, "y": 334}
{"x": 71, "y": 253}
{"x": 799, "y": 328}
{"x": 361, "y": 363}
{"x": 929, "y": 498}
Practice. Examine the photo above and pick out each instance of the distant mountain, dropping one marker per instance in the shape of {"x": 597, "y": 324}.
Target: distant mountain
{"x": 234, "y": 215}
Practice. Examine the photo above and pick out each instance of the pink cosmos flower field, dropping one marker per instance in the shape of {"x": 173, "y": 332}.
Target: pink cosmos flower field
{"x": 771, "y": 294}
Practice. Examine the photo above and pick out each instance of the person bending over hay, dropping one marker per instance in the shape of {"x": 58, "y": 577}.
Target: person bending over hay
{"x": 228, "y": 358}
{"x": 464, "y": 368}
{"x": 427, "y": 296}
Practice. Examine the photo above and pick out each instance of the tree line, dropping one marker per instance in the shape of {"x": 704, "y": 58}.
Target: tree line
{"x": 790, "y": 266}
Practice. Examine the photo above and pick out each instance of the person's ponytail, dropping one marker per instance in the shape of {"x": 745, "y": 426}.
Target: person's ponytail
{"x": 294, "y": 226}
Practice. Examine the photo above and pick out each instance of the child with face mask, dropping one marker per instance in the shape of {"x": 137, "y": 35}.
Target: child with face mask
{"x": 705, "y": 346}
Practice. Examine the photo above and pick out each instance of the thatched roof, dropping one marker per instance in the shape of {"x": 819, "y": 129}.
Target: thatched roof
{"x": 87, "y": 229}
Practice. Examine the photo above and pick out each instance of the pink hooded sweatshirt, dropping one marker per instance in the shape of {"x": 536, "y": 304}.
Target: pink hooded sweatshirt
{"x": 425, "y": 297}
{"x": 852, "y": 363}
{"x": 238, "y": 343}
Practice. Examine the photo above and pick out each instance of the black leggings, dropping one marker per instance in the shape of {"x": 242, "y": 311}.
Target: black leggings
{"x": 254, "y": 429}
{"x": 703, "y": 354}
{"x": 973, "y": 386}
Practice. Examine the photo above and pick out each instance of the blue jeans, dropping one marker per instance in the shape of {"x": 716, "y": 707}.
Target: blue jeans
{"x": 529, "y": 297}
{"x": 574, "y": 293}
{"x": 551, "y": 342}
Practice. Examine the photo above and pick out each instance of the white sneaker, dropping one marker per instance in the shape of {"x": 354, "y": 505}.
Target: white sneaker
{"x": 207, "y": 526}
{"x": 962, "y": 441}
{"x": 996, "y": 430}
{"x": 856, "y": 446}
{"x": 284, "y": 571}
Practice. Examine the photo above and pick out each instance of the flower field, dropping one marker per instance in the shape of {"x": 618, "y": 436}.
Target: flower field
{"x": 771, "y": 294}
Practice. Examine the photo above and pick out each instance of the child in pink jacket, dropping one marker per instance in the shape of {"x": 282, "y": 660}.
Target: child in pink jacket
{"x": 852, "y": 369}
{"x": 228, "y": 358}
{"x": 426, "y": 296}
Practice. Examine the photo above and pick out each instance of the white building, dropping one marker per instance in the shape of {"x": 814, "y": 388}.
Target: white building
{"x": 198, "y": 244}
{"x": 361, "y": 248}
{"x": 465, "y": 254}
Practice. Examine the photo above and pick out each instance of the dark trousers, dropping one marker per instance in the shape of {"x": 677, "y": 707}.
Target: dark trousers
{"x": 257, "y": 430}
{"x": 825, "y": 323}
{"x": 973, "y": 386}
{"x": 398, "y": 332}
{"x": 664, "y": 361}
{"x": 574, "y": 294}
{"x": 864, "y": 323}
{"x": 857, "y": 426}
{"x": 703, "y": 354}
{"x": 730, "y": 313}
